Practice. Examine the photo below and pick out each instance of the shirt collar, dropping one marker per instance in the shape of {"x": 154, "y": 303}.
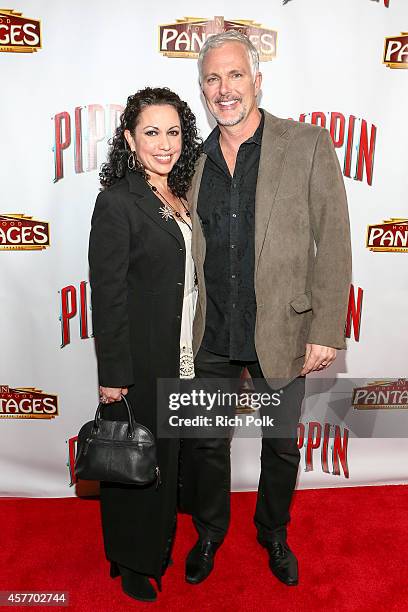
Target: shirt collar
{"x": 257, "y": 136}
{"x": 212, "y": 141}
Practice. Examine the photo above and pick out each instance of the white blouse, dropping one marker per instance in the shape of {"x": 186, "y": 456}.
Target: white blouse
{"x": 189, "y": 306}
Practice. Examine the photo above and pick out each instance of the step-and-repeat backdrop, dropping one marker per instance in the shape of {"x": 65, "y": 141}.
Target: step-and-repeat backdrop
{"x": 66, "y": 71}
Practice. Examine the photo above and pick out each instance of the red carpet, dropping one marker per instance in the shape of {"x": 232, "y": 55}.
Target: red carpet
{"x": 352, "y": 546}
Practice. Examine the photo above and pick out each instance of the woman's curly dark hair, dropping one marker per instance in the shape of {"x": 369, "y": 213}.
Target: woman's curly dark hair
{"x": 180, "y": 177}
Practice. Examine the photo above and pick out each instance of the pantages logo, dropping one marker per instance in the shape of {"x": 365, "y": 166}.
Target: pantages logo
{"x": 382, "y": 394}
{"x": 19, "y": 34}
{"x": 391, "y": 235}
{"x": 27, "y": 403}
{"x": 21, "y": 233}
{"x": 186, "y": 36}
{"x": 396, "y": 51}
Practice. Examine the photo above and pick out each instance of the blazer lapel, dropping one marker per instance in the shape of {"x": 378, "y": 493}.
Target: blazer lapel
{"x": 275, "y": 140}
{"x": 273, "y": 152}
{"x": 198, "y": 242}
{"x": 151, "y": 204}
{"x": 192, "y": 194}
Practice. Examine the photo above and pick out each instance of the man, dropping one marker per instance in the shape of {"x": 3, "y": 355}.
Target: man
{"x": 271, "y": 202}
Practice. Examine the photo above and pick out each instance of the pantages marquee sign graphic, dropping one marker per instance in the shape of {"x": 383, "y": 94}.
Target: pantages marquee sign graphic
{"x": 19, "y": 34}
{"x": 396, "y": 51}
{"x": 27, "y": 403}
{"x": 390, "y": 235}
{"x": 21, "y": 233}
{"x": 382, "y": 394}
{"x": 185, "y": 37}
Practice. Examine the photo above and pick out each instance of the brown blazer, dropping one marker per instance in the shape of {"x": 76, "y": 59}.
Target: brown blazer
{"x": 302, "y": 247}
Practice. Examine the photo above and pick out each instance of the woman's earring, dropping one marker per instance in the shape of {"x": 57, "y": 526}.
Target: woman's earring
{"x": 132, "y": 161}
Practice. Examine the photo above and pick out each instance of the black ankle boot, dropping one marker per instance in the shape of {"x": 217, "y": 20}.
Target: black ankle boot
{"x": 135, "y": 585}
{"x": 167, "y": 560}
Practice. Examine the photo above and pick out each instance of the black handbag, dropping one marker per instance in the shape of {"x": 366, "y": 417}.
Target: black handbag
{"x": 116, "y": 451}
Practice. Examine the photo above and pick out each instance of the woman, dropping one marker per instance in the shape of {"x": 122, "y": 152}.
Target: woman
{"x": 143, "y": 300}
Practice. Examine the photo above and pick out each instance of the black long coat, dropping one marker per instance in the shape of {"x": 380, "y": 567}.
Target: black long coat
{"x": 137, "y": 263}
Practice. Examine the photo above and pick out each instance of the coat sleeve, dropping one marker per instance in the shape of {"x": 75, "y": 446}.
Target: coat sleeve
{"x": 331, "y": 231}
{"x": 109, "y": 246}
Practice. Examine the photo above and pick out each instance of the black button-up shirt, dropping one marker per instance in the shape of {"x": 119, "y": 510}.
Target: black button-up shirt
{"x": 226, "y": 206}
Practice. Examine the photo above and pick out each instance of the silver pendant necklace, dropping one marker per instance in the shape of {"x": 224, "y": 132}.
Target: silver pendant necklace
{"x": 167, "y": 211}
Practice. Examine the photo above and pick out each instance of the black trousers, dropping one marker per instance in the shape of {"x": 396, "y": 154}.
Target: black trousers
{"x": 206, "y": 463}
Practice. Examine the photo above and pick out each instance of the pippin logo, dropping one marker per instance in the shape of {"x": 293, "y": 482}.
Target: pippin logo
{"x": 391, "y": 235}
{"x": 19, "y": 34}
{"x": 382, "y": 394}
{"x": 27, "y": 403}
{"x": 332, "y": 443}
{"x": 186, "y": 36}
{"x": 72, "y": 449}
{"x": 396, "y": 51}
{"x": 21, "y": 233}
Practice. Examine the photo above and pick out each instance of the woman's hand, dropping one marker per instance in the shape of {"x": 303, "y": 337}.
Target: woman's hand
{"x": 108, "y": 395}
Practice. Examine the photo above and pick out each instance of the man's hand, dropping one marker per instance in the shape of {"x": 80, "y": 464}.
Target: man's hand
{"x": 108, "y": 395}
{"x": 318, "y": 358}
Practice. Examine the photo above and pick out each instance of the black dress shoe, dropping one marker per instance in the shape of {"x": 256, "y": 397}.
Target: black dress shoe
{"x": 200, "y": 561}
{"x": 135, "y": 585}
{"x": 282, "y": 562}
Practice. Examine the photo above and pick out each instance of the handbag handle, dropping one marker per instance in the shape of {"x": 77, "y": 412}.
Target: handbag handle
{"x": 131, "y": 423}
